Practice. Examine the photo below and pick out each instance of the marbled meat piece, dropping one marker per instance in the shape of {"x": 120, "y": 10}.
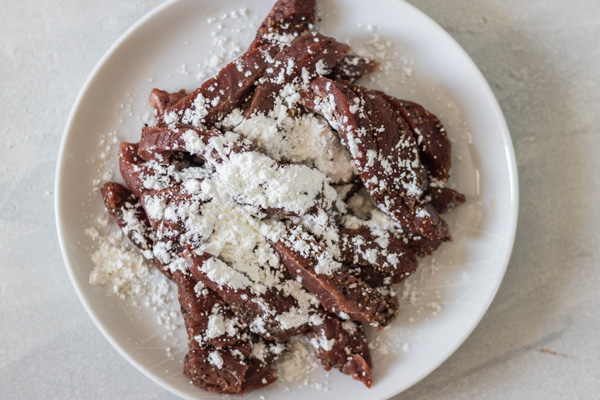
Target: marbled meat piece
{"x": 309, "y": 56}
{"x": 343, "y": 345}
{"x": 307, "y": 261}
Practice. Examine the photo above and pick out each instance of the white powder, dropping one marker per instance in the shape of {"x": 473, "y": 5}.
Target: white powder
{"x": 305, "y": 139}
{"x": 218, "y": 325}
{"x": 292, "y": 318}
{"x": 155, "y": 207}
{"x": 322, "y": 69}
{"x": 349, "y": 326}
{"x": 223, "y": 275}
{"x": 321, "y": 342}
{"x": 296, "y": 364}
{"x": 225, "y": 46}
{"x": 214, "y": 358}
{"x": 255, "y": 179}
{"x": 259, "y": 350}
{"x": 119, "y": 264}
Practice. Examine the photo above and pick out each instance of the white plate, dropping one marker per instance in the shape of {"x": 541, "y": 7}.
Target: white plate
{"x": 452, "y": 291}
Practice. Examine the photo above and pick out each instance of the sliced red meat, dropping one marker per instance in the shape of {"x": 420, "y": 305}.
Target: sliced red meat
{"x": 422, "y": 246}
{"x": 343, "y": 345}
{"x": 434, "y": 147}
{"x": 384, "y": 151}
{"x": 219, "y": 370}
{"x": 258, "y": 308}
{"x": 221, "y": 363}
{"x": 339, "y": 292}
{"x": 208, "y": 104}
{"x": 353, "y": 67}
{"x": 153, "y": 201}
{"x": 198, "y": 305}
{"x": 124, "y": 207}
{"x": 160, "y": 142}
{"x": 309, "y": 56}
{"x": 378, "y": 265}
{"x": 145, "y": 178}
{"x": 161, "y": 100}
{"x": 445, "y": 199}
{"x": 131, "y": 171}
{"x": 286, "y": 21}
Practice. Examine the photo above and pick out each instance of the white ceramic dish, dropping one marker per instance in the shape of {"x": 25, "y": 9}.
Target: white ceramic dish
{"x": 453, "y": 291}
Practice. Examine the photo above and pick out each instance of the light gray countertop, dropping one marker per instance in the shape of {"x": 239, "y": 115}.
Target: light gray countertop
{"x": 537, "y": 341}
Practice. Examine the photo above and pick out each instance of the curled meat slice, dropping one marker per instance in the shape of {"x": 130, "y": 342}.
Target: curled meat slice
{"x": 422, "y": 246}
{"x": 343, "y": 345}
{"x": 211, "y": 368}
{"x": 286, "y": 21}
{"x": 445, "y": 199}
{"x": 353, "y": 67}
{"x": 124, "y": 207}
{"x": 306, "y": 260}
{"x": 434, "y": 146}
{"x": 161, "y": 100}
{"x": 260, "y": 307}
{"x": 390, "y": 152}
{"x": 309, "y": 56}
{"x": 384, "y": 151}
{"x": 382, "y": 261}
{"x": 205, "y": 106}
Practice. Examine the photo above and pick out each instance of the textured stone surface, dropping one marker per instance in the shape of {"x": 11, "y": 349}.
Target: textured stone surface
{"x": 537, "y": 341}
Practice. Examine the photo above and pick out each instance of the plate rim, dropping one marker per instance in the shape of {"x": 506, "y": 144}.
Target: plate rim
{"x": 512, "y": 173}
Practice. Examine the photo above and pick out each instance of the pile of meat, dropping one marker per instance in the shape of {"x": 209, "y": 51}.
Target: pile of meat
{"x": 264, "y": 244}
